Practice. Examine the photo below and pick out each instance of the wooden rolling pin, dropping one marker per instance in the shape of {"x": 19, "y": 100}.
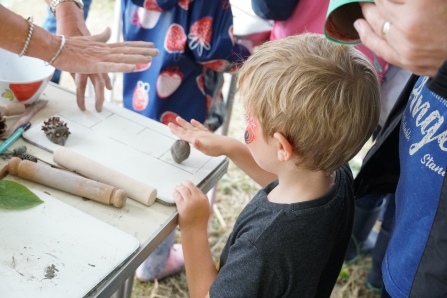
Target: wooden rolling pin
{"x": 13, "y": 108}
{"x": 75, "y": 162}
{"x": 67, "y": 181}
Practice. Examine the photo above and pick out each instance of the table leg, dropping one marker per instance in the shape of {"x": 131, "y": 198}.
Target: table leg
{"x": 129, "y": 286}
{"x": 120, "y": 292}
{"x": 125, "y": 290}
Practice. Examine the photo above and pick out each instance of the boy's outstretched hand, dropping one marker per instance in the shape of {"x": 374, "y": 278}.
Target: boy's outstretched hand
{"x": 193, "y": 207}
{"x": 198, "y": 136}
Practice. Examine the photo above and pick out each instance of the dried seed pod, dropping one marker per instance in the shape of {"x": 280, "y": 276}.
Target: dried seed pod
{"x": 180, "y": 151}
{"x": 26, "y": 156}
{"x": 56, "y": 130}
{"x": 2, "y": 124}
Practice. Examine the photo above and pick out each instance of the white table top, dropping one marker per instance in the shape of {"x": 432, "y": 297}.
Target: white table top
{"x": 150, "y": 225}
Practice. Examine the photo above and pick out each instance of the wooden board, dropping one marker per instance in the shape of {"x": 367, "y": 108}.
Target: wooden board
{"x": 129, "y": 143}
{"x": 55, "y": 250}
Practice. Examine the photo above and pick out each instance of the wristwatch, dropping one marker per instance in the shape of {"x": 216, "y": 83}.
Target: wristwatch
{"x": 55, "y": 3}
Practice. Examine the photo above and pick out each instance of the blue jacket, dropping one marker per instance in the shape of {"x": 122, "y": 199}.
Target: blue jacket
{"x": 410, "y": 157}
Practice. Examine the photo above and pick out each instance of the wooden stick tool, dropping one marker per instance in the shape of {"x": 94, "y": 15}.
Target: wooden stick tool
{"x": 12, "y": 108}
{"x": 36, "y": 107}
{"x": 68, "y": 182}
{"x": 77, "y": 163}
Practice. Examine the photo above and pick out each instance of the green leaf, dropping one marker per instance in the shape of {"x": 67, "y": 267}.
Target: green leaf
{"x": 15, "y": 196}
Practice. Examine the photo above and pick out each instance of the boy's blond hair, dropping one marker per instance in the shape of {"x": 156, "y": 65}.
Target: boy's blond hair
{"x": 323, "y": 97}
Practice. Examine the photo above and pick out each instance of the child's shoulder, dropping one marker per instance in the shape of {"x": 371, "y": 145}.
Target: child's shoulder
{"x": 347, "y": 179}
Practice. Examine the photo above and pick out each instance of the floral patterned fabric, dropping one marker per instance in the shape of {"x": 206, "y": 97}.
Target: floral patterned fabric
{"x": 195, "y": 39}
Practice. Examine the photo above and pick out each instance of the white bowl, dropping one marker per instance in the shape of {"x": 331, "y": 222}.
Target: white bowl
{"x": 22, "y": 79}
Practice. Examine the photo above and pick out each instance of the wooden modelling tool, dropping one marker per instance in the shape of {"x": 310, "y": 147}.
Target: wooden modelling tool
{"x": 13, "y": 108}
{"x": 4, "y": 172}
{"x": 36, "y": 107}
{"x": 77, "y": 163}
{"x": 67, "y": 181}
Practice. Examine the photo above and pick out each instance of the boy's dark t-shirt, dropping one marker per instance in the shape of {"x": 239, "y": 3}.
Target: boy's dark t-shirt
{"x": 288, "y": 250}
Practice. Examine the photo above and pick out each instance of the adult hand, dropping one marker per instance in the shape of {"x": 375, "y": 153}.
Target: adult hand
{"x": 193, "y": 207}
{"x": 89, "y": 54}
{"x": 415, "y": 39}
{"x": 85, "y": 54}
{"x": 199, "y": 136}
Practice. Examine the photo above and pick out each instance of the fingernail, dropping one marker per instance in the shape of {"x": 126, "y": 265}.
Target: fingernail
{"x": 357, "y": 25}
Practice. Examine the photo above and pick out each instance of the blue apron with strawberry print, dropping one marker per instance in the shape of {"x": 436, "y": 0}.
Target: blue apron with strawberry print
{"x": 195, "y": 42}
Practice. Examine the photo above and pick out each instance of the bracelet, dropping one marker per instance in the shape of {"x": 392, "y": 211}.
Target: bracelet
{"x": 55, "y": 3}
{"x": 28, "y": 38}
{"x": 58, "y": 51}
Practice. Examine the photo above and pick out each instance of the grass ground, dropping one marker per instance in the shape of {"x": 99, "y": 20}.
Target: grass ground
{"x": 234, "y": 190}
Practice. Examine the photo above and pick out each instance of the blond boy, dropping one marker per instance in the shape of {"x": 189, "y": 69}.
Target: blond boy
{"x": 310, "y": 105}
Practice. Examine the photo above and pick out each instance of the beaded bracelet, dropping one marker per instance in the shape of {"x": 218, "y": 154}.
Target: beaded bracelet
{"x": 58, "y": 52}
{"x": 28, "y": 38}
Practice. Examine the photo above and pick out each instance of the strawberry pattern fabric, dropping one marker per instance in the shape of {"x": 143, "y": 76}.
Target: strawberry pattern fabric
{"x": 195, "y": 42}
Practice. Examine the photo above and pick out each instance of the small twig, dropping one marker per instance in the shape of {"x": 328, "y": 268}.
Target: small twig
{"x": 218, "y": 243}
{"x": 219, "y": 216}
{"x": 154, "y": 289}
{"x": 178, "y": 288}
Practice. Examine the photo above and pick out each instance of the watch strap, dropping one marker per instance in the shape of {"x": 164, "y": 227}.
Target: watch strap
{"x": 55, "y": 3}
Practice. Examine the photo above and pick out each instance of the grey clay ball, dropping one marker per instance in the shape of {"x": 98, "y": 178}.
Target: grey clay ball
{"x": 180, "y": 151}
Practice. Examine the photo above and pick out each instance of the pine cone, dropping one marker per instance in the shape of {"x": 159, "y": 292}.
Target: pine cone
{"x": 56, "y": 130}
{"x": 2, "y": 124}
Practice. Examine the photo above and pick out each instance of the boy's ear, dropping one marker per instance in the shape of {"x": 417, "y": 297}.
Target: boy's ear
{"x": 285, "y": 149}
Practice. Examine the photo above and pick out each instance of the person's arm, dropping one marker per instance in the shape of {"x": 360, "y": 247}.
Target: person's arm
{"x": 216, "y": 145}
{"x": 70, "y": 22}
{"x": 80, "y": 54}
{"x": 415, "y": 39}
{"x": 88, "y": 54}
{"x": 13, "y": 33}
{"x": 194, "y": 212}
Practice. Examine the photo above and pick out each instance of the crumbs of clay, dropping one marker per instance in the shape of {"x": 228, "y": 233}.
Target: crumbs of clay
{"x": 180, "y": 151}
{"x": 56, "y": 130}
